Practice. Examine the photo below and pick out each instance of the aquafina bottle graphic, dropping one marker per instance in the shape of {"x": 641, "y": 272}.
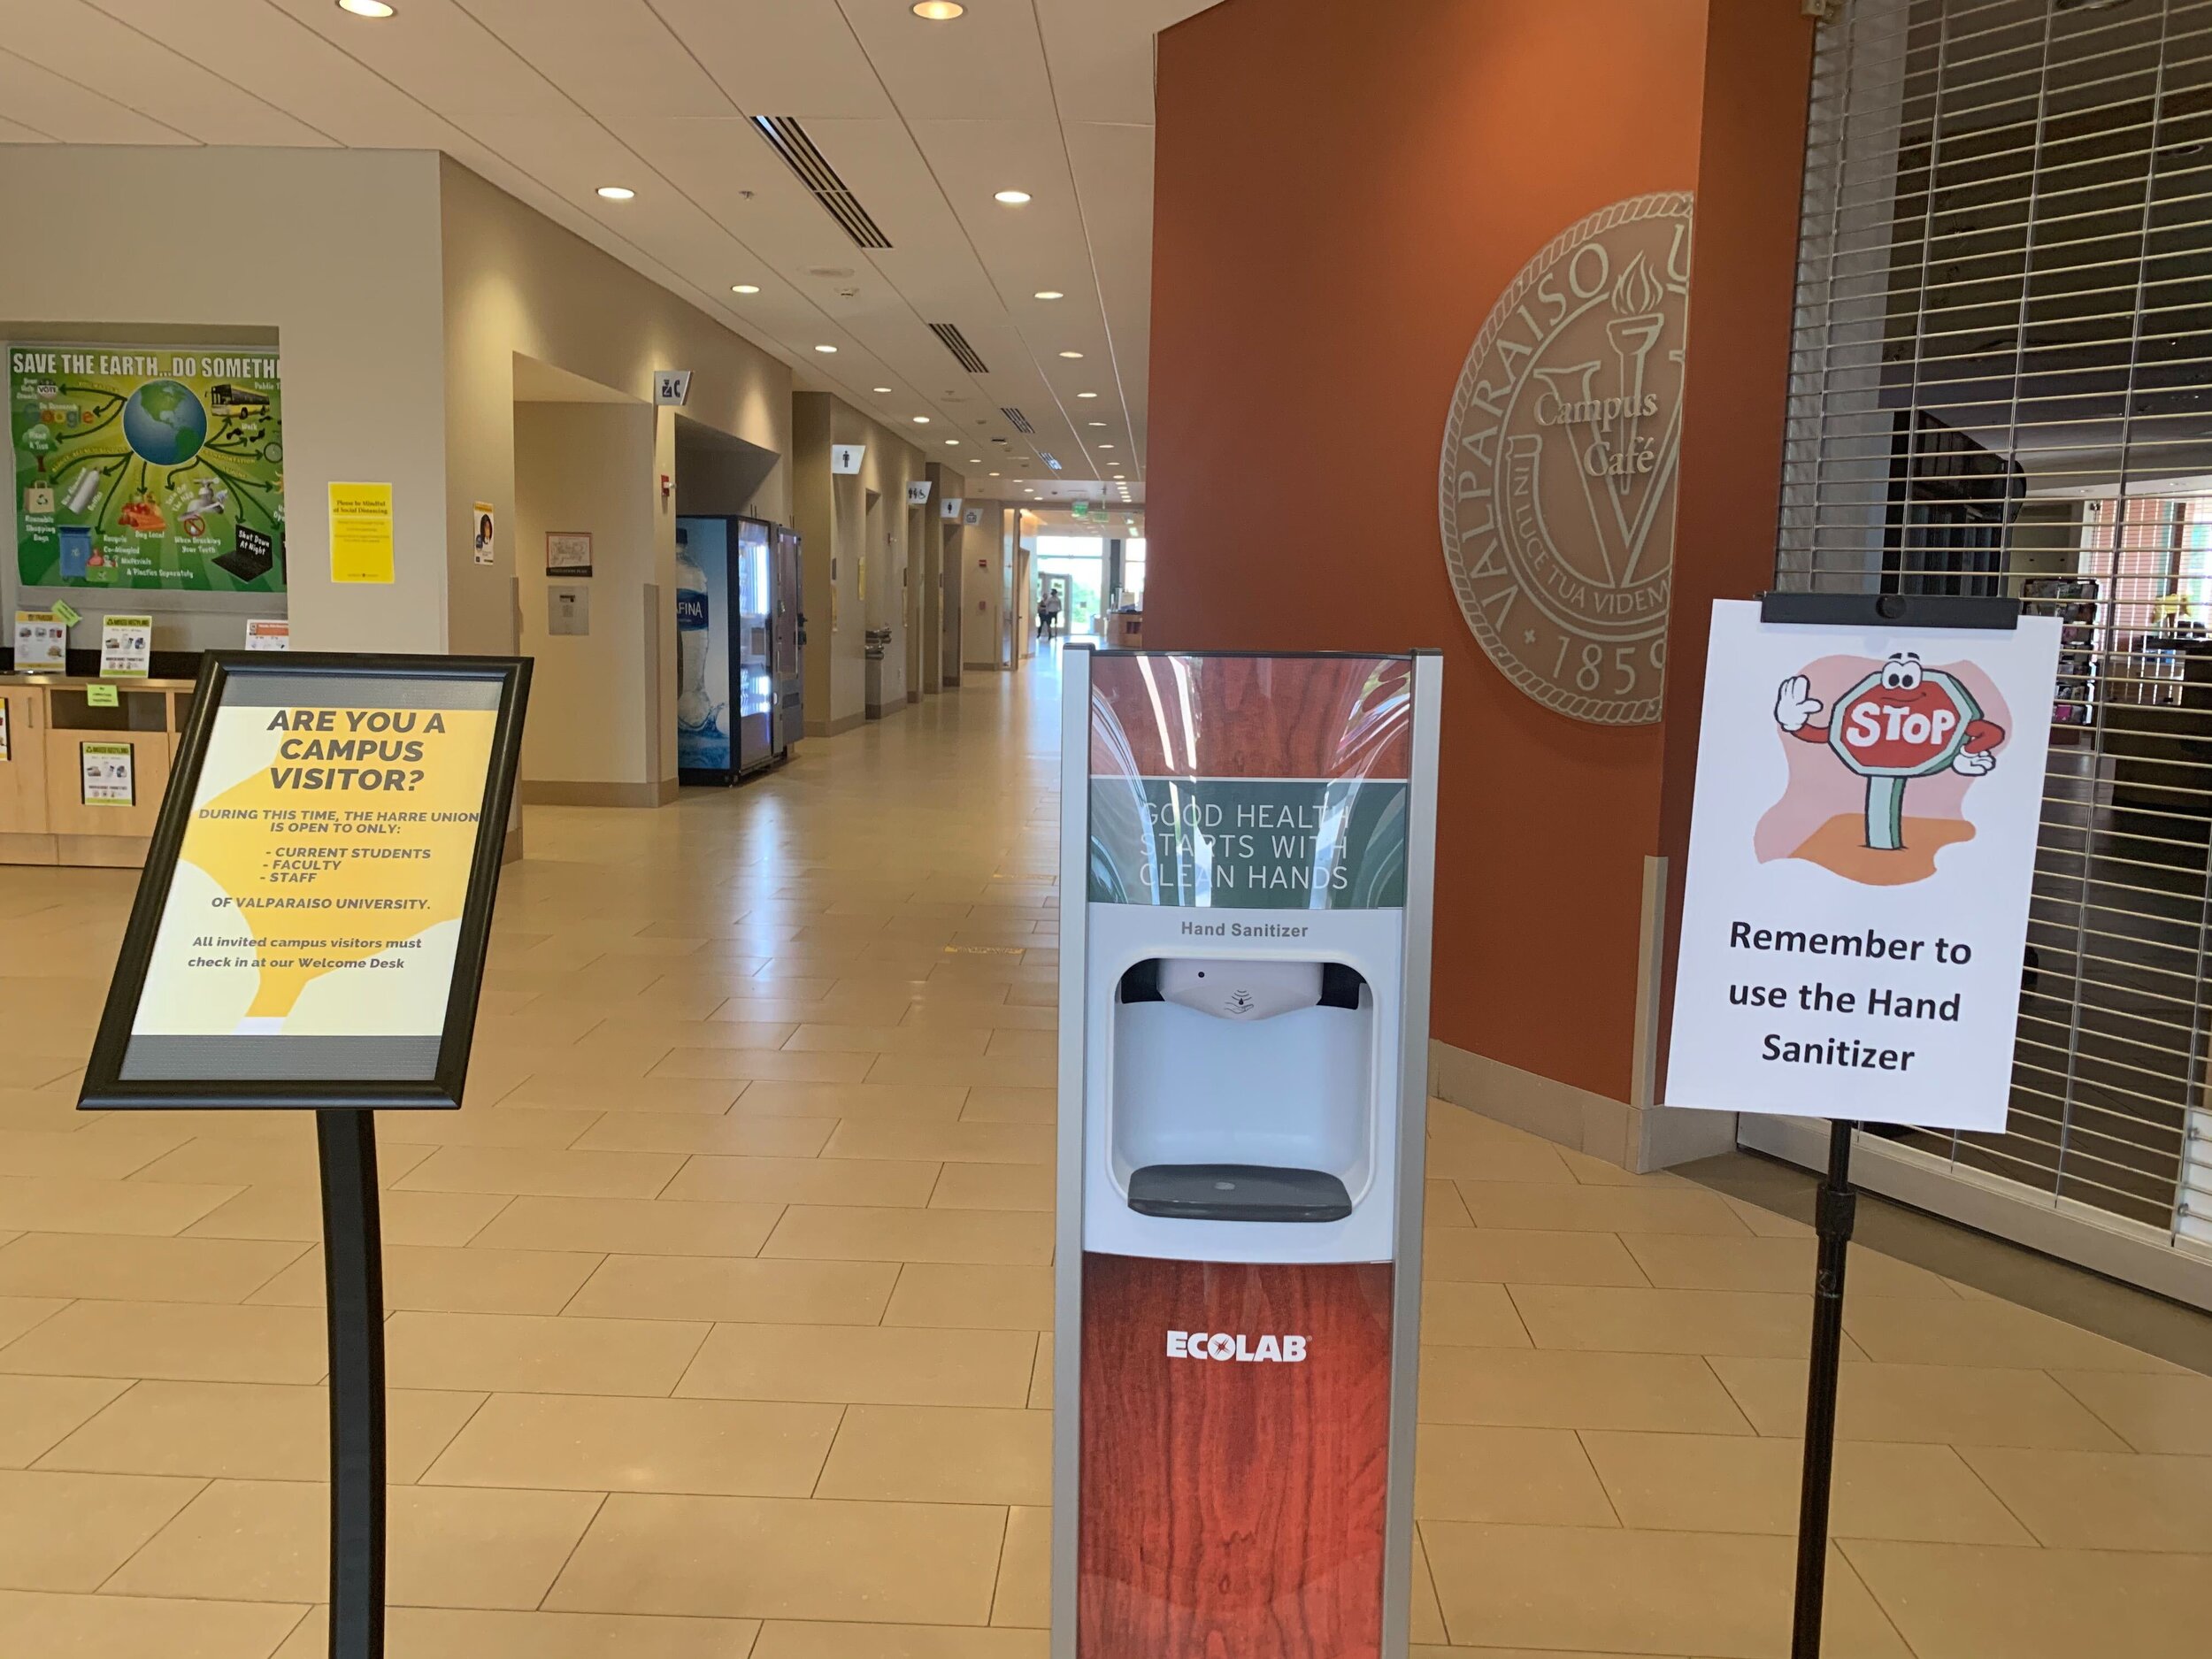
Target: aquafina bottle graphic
{"x": 695, "y": 707}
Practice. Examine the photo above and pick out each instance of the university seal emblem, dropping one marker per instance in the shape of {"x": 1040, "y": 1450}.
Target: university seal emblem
{"x": 1557, "y": 483}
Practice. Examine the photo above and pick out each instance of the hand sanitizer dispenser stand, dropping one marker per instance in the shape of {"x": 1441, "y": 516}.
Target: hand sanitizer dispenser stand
{"x": 1246, "y": 849}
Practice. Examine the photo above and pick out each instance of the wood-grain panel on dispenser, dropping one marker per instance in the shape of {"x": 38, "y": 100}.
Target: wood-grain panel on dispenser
{"x": 1233, "y": 1507}
{"x": 1165, "y": 715}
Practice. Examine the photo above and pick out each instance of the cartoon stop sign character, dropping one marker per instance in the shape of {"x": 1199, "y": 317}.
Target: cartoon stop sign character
{"x": 1901, "y": 722}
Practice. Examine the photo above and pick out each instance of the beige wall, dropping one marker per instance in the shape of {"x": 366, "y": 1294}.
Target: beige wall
{"x": 597, "y": 714}
{"x": 831, "y": 514}
{"x": 933, "y": 590}
{"x": 988, "y": 554}
{"x": 515, "y": 282}
{"x": 334, "y": 250}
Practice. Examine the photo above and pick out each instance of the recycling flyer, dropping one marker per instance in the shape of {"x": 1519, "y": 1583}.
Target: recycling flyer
{"x": 147, "y": 466}
{"x": 320, "y": 879}
{"x": 107, "y": 774}
{"x": 1862, "y": 848}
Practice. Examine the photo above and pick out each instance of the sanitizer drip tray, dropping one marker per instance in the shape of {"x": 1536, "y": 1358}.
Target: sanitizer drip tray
{"x": 1237, "y": 1192}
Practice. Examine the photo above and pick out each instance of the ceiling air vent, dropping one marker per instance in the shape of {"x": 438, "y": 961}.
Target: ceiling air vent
{"x": 956, "y": 342}
{"x": 1018, "y": 420}
{"x": 790, "y": 141}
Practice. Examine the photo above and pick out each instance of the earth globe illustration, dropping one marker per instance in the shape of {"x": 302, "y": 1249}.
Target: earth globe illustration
{"x": 164, "y": 423}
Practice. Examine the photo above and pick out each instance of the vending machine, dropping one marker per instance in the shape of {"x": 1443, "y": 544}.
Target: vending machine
{"x": 732, "y": 612}
{"x": 1247, "y": 851}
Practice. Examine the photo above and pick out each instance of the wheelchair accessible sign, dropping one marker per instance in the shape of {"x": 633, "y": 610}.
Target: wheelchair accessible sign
{"x": 1862, "y": 852}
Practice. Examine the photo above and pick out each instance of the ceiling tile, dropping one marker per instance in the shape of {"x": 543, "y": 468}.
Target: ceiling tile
{"x": 990, "y": 64}
{"x": 613, "y": 56}
{"x": 75, "y": 114}
{"x": 779, "y": 56}
{"x": 436, "y": 52}
{"x": 71, "y": 38}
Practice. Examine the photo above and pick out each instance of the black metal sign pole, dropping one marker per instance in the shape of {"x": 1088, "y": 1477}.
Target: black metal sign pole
{"x": 1838, "y": 1201}
{"x": 1836, "y": 1209}
{"x": 353, "y": 1275}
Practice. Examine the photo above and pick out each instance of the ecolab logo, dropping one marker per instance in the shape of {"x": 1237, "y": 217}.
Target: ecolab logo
{"x": 1219, "y": 1345}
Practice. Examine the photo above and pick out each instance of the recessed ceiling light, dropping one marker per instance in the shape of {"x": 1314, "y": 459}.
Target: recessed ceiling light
{"x": 938, "y": 11}
{"x": 1071, "y": 354}
{"x": 1086, "y": 394}
{"x": 744, "y": 287}
{"x": 1095, "y": 423}
{"x": 1012, "y": 198}
{"x": 1049, "y": 294}
{"x": 617, "y": 192}
{"x": 365, "y": 8}
{"x": 994, "y": 475}
{"x": 881, "y": 390}
{"x": 828, "y": 350}
{"x": 1105, "y": 446}
{"x": 921, "y": 420}
{"x": 952, "y": 441}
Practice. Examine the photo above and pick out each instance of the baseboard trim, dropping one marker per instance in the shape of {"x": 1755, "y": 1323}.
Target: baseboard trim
{"x": 835, "y": 728}
{"x": 560, "y": 792}
{"x": 884, "y": 711}
{"x": 1621, "y": 1134}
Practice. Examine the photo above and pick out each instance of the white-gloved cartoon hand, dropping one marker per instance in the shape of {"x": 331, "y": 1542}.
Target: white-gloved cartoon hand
{"x": 1972, "y": 766}
{"x": 1795, "y": 704}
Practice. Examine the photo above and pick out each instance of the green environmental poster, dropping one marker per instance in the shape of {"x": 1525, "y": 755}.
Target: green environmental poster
{"x": 147, "y": 466}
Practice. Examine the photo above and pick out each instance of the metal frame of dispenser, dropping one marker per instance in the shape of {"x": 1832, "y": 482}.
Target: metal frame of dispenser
{"x": 1248, "y": 847}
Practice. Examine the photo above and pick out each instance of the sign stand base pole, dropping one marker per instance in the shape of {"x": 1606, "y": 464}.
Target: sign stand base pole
{"x": 1837, "y": 1208}
{"x": 353, "y": 1269}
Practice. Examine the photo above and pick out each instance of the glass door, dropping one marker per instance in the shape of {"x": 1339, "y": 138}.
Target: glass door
{"x": 755, "y": 688}
{"x": 789, "y": 639}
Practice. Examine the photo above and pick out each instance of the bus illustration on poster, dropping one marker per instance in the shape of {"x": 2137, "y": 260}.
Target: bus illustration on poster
{"x": 142, "y": 466}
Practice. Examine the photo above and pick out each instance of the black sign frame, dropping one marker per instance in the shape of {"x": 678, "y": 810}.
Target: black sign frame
{"x": 105, "y": 1087}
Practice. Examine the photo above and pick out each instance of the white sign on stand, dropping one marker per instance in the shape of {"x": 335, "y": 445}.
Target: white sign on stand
{"x": 1862, "y": 851}
{"x": 126, "y": 647}
{"x": 42, "y": 643}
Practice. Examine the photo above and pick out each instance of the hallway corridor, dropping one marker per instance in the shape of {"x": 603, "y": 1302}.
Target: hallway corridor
{"x": 718, "y": 1320}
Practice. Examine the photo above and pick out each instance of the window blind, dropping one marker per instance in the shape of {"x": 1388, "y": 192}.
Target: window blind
{"x": 2002, "y": 382}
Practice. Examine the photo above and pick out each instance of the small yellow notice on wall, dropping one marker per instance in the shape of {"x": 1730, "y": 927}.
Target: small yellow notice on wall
{"x": 361, "y": 532}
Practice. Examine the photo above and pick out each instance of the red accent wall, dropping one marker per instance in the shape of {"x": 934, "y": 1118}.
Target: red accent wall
{"x": 1341, "y": 194}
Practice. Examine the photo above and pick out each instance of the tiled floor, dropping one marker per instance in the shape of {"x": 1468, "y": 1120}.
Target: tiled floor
{"x": 718, "y": 1317}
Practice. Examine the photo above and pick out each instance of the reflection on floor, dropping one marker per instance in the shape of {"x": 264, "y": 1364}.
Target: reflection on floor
{"x": 718, "y": 1317}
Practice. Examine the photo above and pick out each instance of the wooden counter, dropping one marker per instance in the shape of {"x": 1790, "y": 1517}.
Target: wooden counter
{"x": 44, "y": 816}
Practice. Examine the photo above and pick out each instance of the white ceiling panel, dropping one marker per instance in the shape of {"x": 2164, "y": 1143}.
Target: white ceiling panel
{"x": 613, "y": 56}
{"x": 72, "y": 112}
{"x": 71, "y": 38}
{"x": 264, "y": 47}
{"x": 437, "y": 52}
{"x": 988, "y": 66}
{"x": 781, "y": 56}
